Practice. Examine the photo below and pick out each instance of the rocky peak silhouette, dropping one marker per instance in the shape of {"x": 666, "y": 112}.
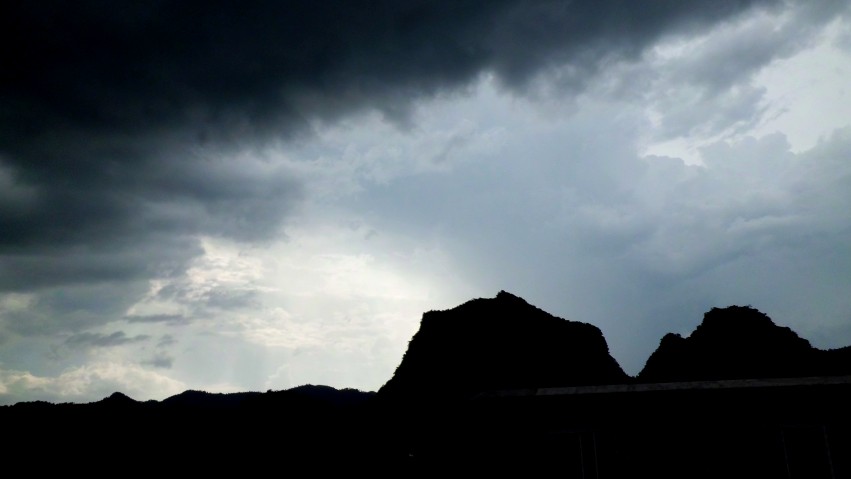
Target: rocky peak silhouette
{"x": 737, "y": 342}
{"x": 500, "y": 343}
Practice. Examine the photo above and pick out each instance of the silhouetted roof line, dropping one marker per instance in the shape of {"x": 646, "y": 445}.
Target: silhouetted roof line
{"x": 671, "y": 386}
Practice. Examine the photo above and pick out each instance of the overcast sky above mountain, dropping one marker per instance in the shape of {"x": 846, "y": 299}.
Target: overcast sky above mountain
{"x": 257, "y": 195}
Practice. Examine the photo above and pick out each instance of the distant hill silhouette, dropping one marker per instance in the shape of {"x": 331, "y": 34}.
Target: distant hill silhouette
{"x": 552, "y": 400}
{"x": 200, "y": 432}
{"x": 319, "y": 396}
{"x": 500, "y": 343}
{"x": 740, "y": 342}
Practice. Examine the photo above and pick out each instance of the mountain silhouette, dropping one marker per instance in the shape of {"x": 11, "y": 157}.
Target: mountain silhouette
{"x": 740, "y": 342}
{"x": 489, "y": 387}
{"x": 232, "y": 431}
{"x": 118, "y": 399}
{"x": 500, "y": 343}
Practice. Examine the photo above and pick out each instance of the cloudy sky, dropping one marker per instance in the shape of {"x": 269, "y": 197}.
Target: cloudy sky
{"x": 237, "y": 196}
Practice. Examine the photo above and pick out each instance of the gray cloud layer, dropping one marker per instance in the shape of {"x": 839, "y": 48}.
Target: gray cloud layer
{"x": 118, "y": 338}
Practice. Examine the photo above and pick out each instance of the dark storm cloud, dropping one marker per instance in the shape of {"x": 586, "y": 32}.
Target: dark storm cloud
{"x": 119, "y": 121}
{"x": 118, "y": 338}
{"x": 234, "y": 68}
{"x": 127, "y": 66}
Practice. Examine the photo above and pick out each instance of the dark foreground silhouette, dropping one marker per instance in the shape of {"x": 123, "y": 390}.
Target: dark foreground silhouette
{"x": 492, "y": 387}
